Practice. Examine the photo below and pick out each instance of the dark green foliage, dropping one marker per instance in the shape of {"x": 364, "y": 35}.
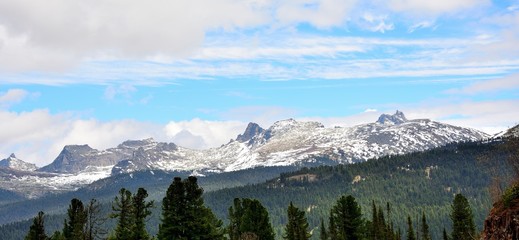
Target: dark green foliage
{"x": 184, "y": 215}
{"x": 445, "y": 235}
{"x": 297, "y": 226}
{"x": 249, "y": 217}
{"x": 410, "y": 231}
{"x": 324, "y": 233}
{"x": 424, "y": 229}
{"x": 346, "y": 217}
{"x": 123, "y": 212}
{"x": 74, "y": 228}
{"x": 141, "y": 211}
{"x": 37, "y": 229}
{"x": 510, "y": 194}
{"x": 463, "y": 227}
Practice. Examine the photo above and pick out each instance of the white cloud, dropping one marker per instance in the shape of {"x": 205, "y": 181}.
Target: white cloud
{"x": 507, "y": 83}
{"x": 12, "y": 96}
{"x": 320, "y": 13}
{"x": 125, "y": 90}
{"x": 431, "y": 8}
{"x": 200, "y": 134}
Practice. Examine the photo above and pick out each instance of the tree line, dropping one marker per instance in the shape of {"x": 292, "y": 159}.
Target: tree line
{"x": 185, "y": 216}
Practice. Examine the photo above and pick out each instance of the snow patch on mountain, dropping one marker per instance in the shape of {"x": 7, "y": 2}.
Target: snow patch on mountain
{"x": 14, "y": 163}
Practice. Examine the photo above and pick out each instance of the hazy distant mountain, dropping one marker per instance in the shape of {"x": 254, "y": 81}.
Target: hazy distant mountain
{"x": 14, "y": 163}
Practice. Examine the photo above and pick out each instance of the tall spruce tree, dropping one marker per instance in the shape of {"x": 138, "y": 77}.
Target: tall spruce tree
{"x": 74, "y": 228}
{"x": 463, "y": 227}
{"x": 424, "y": 228}
{"x": 141, "y": 211}
{"x": 324, "y": 232}
{"x": 122, "y": 208}
{"x": 184, "y": 215}
{"x": 410, "y": 231}
{"x": 346, "y": 219}
{"x": 445, "y": 235}
{"x": 248, "y": 217}
{"x": 297, "y": 226}
{"x": 37, "y": 229}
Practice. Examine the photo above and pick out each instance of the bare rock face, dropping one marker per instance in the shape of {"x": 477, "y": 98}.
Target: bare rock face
{"x": 502, "y": 223}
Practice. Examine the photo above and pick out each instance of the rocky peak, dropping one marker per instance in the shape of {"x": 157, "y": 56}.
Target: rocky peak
{"x": 394, "y": 119}
{"x": 14, "y": 163}
{"x": 137, "y": 143}
{"x": 251, "y": 131}
{"x": 512, "y": 132}
{"x": 77, "y": 149}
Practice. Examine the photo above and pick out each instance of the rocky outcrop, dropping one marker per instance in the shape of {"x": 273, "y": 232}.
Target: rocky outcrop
{"x": 502, "y": 223}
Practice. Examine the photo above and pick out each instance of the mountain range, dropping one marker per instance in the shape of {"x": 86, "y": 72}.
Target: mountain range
{"x": 285, "y": 143}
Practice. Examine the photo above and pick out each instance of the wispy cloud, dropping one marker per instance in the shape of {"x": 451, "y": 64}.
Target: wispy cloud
{"x": 507, "y": 83}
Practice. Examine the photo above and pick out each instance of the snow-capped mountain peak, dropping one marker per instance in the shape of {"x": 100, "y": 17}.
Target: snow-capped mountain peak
{"x": 397, "y": 118}
{"x": 14, "y": 163}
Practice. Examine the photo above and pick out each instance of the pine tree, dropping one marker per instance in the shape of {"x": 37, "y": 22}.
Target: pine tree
{"x": 445, "y": 235}
{"x": 374, "y": 233}
{"x": 426, "y": 235}
{"x": 249, "y": 217}
{"x": 410, "y": 231}
{"x": 297, "y": 226}
{"x": 94, "y": 224}
{"x": 463, "y": 227}
{"x": 324, "y": 232}
{"x": 184, "y": 215}
{"x": 122, "y": 210}
{"x": 346, "y": 217}
{"x": 77, "y": 217}
{"x": 37, "y": 229}
{"x": 57, "y": 235}
{"x": 141, "y": 210}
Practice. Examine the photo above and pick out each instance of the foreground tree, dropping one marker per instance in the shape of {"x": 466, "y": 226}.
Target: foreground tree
{"x": 37, "y": 230}
{"x": 122, "y": 210}
{"x": 463, "y": 227}
{"x": 346, "y": 219}
{"x": 74, "y": 228}
{"x": 184, "y": 215}
{"x": 249, "y": 219}
{"x": 426, "y": 235}
{"x": 94, "y": 222}
{"x": 324, "y": 232}
{"x": 141, "y": 211}
{"x": 410, "y": 231}
{"x": 297, "y": 226}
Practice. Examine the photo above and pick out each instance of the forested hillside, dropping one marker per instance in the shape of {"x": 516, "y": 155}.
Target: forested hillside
{"x": 412, "y": 184}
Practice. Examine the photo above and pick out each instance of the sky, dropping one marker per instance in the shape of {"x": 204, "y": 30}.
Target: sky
{"x": 195, "y": 72}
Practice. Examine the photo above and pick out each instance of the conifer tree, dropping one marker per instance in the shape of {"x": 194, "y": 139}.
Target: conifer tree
{"x": 141, "y": 210}
{"x": 463, "y": 227}
{"x": 122, "y": 210}
{"x": 410, "y": 231}
{"x": 184, "y": 215}
{"x": 37, "y": 229}
{"x": 77, "y": 217}
{"x": 324, "y": 232}
{"x": 248, "y": 216}
{"x": 346, "y": 217}
{"x": 297, "y": 226}
{"x": 426, "y": 235}
{"x": 57, "y": 235}
{"x": 445, "y": 235}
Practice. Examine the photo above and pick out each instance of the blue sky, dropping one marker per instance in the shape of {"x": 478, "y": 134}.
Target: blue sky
{"x": 196, "y": 72}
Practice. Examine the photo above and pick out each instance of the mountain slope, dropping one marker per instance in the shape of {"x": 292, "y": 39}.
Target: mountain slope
{"x": 290, "y": 142}
{"x": 13, "y": 162}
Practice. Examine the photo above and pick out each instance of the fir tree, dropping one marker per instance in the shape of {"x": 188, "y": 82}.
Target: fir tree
{"x": 445, "y": 235}
{"x": 324, "y": 232}
{"x": 57, "y": 235}
{"x": 426, "y": 235}
{"x": 77, "y": 217}
{"x": 248, "y": 216}
{"x": 346, "y": 217}
{"x": 122, "y": 210}
{"x": 297, "y": 226}
{"x": 141, "y": 210}
{"x": 410, "y": 231}
{"x": 462, "y": 219}
{"x": 184, "y": 215}
{"x": 37, "y": 229}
